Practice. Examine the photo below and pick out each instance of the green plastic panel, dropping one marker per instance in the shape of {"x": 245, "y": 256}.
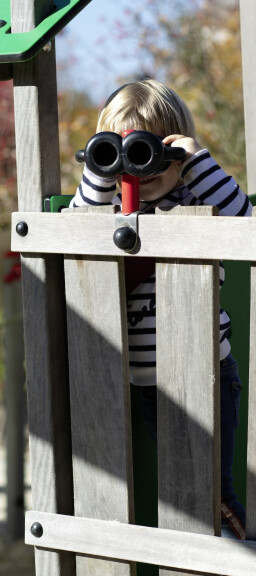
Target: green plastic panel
{"x": 19, "y": 47}
{"x": 56, "y": 203}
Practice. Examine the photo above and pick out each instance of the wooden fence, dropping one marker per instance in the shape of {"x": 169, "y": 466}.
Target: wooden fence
{"x": 188, "y": 392}
{"x": 77, "y": 361}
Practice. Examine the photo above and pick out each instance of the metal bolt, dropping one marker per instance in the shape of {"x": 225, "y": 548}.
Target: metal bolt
{"x": 125, "y": 238}
{"x": 37, "y": 529}
{"x": 47, "y": 47}
{"x": 22, "y": 228}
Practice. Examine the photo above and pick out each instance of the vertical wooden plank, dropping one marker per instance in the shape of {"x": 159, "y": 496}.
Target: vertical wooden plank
{"x": 188, "y": 395}
{"x": 248, "y": 45}
{"x": 251, "y": 436}
{"x": 36, "y": 127}
{"x": 15, "y": 401}
{"x": 48, "y": 399}
{"x": 251, "y": 441}
{"x": 100, "y": 397}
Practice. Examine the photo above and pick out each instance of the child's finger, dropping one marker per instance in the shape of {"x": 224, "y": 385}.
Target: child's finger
{"x": 172, "y": 138}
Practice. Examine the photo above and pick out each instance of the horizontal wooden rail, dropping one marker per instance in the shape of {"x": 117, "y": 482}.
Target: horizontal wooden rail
{"x": 126, "y": 542}
{"x": 200, "y": 237}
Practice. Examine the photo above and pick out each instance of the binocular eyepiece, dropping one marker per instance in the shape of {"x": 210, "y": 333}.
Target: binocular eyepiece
{"x": 140, "y": 153}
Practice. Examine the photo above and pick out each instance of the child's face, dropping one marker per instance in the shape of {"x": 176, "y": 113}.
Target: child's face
{"x": 155, "y": 187}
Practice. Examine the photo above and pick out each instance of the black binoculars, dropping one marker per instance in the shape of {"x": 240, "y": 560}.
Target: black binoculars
{"x": 140, "y": 153}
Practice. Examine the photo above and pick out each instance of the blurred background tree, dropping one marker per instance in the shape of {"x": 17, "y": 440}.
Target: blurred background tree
{"x": 8, "y": 196}
{"x": 77, "y": 121}
{"x": 195, "y": 48}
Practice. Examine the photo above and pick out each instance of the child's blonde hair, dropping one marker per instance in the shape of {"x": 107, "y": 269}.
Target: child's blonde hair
{"x": 146, "y": 105}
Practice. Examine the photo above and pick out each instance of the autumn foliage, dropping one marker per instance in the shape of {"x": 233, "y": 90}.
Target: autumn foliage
{"x": 77, "y": 120}
{"x": 195, "y": 48}
{"x": 8, "y": 196}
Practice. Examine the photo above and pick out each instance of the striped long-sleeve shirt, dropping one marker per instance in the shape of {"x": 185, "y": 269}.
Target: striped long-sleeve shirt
{"x": 205, "y": 183}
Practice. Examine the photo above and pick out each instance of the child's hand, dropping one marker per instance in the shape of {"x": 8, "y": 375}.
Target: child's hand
{"x": 189, "y": 144}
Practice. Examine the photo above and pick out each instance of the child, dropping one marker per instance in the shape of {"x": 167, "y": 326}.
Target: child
{"x": 149, "y": 105}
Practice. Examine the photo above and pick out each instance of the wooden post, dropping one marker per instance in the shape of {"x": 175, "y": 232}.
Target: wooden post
{"x": 251, "y": 442}
{"x": 188, "y": 393}
{"x": 248, "y": 44}
{"x": 36, "y": 126}
{"x": 15, "y": 400}
{"x": 100, "y": 396}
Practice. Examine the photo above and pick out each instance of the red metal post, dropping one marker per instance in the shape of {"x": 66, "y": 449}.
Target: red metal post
{"x": 130, "y": 189}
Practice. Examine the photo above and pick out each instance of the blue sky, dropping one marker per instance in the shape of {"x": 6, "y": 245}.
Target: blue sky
{"x": 98, "y": 50}
{"x": 90, "y": 59}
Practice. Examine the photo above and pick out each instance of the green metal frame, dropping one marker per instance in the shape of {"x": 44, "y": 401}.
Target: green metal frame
{"x": 19, "y": 47}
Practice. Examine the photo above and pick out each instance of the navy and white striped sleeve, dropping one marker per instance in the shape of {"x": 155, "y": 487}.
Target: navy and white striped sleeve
{"x": 212, "y": 186}
{"x": 94, "y": 191}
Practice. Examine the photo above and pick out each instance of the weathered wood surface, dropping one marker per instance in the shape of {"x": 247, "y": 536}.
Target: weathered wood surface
{"x": 167, "y": 548}
{"x": 48, "y": 399}
{"x": 172, "y": 237}
{"x": 36, "y": 114}
{"x": 38, "y": 169}
{"x": 100, "y": 397}
{"x": 251, "y": 442}
{"x": 247, "y": 22}
{"x": 247, "y": 25}
{"x": 14, "y": 382}
{"x": 188, "y": 394}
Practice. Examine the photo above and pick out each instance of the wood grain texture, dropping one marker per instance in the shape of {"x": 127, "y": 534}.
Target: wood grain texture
{"x": 167, "y": 548}
{"x": 38, "y": 171}
{"x": 14, "y": 380}
{"x": 251, "y": 441}
{"x": 172, "y": 237}
{"x": 247, "y": 25}
{"x": 100, "y": 397}
{"x": 188, "y": 395}
{"x": 25, "y": 16}
{"x": 48, "y": 398}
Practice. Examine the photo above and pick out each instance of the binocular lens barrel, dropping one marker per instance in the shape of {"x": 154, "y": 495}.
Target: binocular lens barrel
{"x": 140, "y": 154}
{"x": 103, "y": 154}
{"x": 107, "y": 152}
{"x": 143, "y": 153}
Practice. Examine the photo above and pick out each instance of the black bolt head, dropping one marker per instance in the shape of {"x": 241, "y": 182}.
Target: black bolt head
{"x": 125, "y": 238}
{"x": 37, "y": 529}
{"x": 22, "y": 228}
{"x": 80, "y": 156}
{"x": 2, "y": 23}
